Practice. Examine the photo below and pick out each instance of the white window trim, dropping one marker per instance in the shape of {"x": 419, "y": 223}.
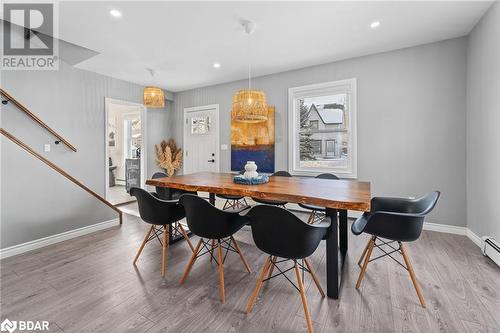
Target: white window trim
{"x": 320, "y": 89}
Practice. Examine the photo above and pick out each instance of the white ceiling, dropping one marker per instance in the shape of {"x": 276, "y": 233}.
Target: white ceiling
{"x": 181, "y": 40}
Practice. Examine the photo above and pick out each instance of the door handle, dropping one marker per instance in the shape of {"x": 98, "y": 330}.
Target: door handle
{"x": 212, "y": 160}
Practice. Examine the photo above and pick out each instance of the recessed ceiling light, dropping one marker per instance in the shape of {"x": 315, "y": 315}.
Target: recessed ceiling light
{"x": 115, "y": 13}
{"x": 216, "y": 65}
{"x": 375, "y": 24}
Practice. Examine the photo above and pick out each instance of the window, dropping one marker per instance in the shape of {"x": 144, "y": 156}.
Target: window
{"x": 316, "y": 147}
{"x": 322, "y": 129}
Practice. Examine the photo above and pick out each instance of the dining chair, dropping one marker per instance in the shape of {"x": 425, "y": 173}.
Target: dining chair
{"x": 318, "y": 213}
{"x": 160, "y": 214}
{"x": 394, "y": 220}
{"x": 216, "y": 228}
{"x": 284, "y": 237}
{"x": 233, "y": 201}
{"x": 163, "y": 192}
{"x": 274, "y": 202}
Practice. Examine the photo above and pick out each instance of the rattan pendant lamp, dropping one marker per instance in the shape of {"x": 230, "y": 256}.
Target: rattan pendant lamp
{"x": 249, "y": 105}
{"x": 153, "y": 97}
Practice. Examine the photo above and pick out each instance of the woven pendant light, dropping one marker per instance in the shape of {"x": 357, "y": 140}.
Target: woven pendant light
{"x": 249, "y": 106}
{"x": 153, "y": 97}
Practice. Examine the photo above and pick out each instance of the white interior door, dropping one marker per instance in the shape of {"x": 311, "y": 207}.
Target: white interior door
{"x": 201, "y": 139}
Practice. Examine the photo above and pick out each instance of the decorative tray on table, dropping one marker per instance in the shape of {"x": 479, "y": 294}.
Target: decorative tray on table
{"x": 260, "y": 179}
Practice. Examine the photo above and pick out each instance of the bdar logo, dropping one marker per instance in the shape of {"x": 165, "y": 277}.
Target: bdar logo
{"x": 8, "y": 325}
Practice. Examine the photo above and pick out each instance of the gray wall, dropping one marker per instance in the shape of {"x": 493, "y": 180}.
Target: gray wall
{"x": 483, "y": 121}
{"x": 35, "y": 201}
{"x": 411, "y": 119}
{"x": 159, "y": 123}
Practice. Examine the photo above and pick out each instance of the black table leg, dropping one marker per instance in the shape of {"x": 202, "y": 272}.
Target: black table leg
{"x": 171, "y": 238}
{"x": 334, "y": 257}
{"x": 211, "y": 198}
{"x": 343, "y": 231}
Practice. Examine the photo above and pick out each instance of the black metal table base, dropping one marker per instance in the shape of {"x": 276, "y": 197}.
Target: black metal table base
{"x": 336, "y": 251}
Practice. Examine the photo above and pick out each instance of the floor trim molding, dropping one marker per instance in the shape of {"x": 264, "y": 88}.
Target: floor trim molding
{"x": 49, "y": 240}
{"x": 451, "y": 229}
{"x": 445, "y": 228}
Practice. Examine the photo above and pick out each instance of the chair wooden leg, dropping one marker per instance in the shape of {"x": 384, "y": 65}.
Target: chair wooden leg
{"x": 310, "y": 220}
{"x": 143, "y": 243}
{"x": 191, "y": 261}
{"x": 365, "y": 264}
{"x": 303, "y": 297}
{"x": 315, "y": 278}
{"x": 271, "y": 267}
{"x": 164, "y": 250}
{"x": 255, "y": 293}
{"x": 412, "y": 275}
{"x": 221, "y": 271}
{"x": 212, "y": 247}
{"x": 186, "y": 237}
{"x": 241, "y": 255}
{"x": 363, "y": 253}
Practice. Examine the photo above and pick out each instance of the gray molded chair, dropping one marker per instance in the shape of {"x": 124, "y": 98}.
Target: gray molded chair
{"x": 285, "y": 239}
{"x": 160, "y": 214}
{"x": 216, "y": 228}
{"x": 318, "y": 213}
{"x": 397, "y": 220}
{"x": 274, "y": 202}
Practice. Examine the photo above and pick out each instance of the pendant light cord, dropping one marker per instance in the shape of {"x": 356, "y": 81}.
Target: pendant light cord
{"x": 249, "y": 63}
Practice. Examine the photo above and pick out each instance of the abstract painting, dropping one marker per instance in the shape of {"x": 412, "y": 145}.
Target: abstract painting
{"x": 253, "y": 142}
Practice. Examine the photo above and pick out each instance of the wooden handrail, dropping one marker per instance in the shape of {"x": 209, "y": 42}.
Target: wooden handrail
{"x": 36, "y": 119}
{"x": 61, "y": 171}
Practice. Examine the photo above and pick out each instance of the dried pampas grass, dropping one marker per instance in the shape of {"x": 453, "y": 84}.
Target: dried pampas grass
{"x": 168, "y": 156}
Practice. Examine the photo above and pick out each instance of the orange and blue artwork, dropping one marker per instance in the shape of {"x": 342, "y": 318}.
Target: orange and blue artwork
{"x": 253, "y": 142}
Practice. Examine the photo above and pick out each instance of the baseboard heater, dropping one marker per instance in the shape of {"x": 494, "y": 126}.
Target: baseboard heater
{"x": 491, "y": 248}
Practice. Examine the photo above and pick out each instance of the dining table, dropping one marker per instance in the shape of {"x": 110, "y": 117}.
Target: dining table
{"x": 337, "y": 196}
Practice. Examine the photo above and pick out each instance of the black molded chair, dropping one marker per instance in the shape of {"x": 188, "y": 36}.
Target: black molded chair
{"x": 214, "y": 225}
{"x": 398, "y": 220}
{"x": 164, "y": 191}
{"x": 318, "y": 213}
{"x": 160, "y": 214}
{"x": 233, "y": 201}
{"x": 281, "y": 234}
{"x": 274, "y": 202}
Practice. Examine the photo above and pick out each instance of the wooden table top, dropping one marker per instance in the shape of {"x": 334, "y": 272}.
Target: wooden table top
{"x": 337, "y": 194}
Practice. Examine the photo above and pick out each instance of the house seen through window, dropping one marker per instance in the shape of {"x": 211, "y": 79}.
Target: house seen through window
{"x": 323, "y": 118}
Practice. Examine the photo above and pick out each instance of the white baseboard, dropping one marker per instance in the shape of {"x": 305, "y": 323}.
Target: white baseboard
{"x": 38, "y": 243}
{"x": 448, "y": 229}
{"x": 445, "y": 228}
{"x": 475, "y": 238}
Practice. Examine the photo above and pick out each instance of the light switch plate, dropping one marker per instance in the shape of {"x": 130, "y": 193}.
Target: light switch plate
{"x": 223, "y": 147}
{"x": 46, "y": 147}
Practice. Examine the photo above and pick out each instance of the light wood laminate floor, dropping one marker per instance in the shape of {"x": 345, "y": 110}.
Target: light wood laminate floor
{"x": 89, "y": 284}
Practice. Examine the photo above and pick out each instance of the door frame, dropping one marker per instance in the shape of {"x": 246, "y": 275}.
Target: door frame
{"x": 144, "y": 146}
{"x": 217, "y": 134}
